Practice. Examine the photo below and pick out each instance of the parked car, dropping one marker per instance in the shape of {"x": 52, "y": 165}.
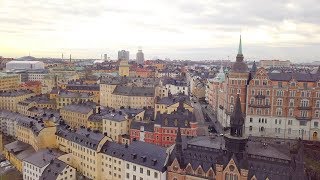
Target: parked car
{"x": 5, "y": 163}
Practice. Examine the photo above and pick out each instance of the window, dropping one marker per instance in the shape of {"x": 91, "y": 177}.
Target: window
{"x": 280, "y": 84}
{"x": 250, "y": 128}
{"x": 279, "y": 111}
{"x": 279, "y": 93}
{"x": 316, "y": 124}
{"x": 155, "y": 175}
{"x": 304, "y": 113}
{"x": 303, "y": 123}
{"x": 231, "y": 100}
{"x": 256, "y": 82}
{"x": 251, "y": 120}
{"x": 318, "y": 103}
{"x": 141, "y": 170}
{"x": 292, "y": 94}
{"x": 134, "y": 177}
{"x": 252, "y": 101}
{"x": 290, "y": 112}
{"x": 267, "y": 101}
{"x": 268, "y": 92}
{"x": 252, "y": 92}
{"x": 289, "y": 130}
{"x": 304, "y": 103}
{"x": 128, "y": 175}
{"x": 279, "y": 102}
{"x": 289, "y": 122}
{"x": 128, "y": 166}
{"x": 317, "y": 114}
{"x": 134, "y": 168}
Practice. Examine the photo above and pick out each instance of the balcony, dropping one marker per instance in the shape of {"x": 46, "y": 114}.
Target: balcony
{"x": 260, "y": 96}
{"x": 259, "y": 106}
{"x": 304, "y": 108}
{"x": 303, "y": 118}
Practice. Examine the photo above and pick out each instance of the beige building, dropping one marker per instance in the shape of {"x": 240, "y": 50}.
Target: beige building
{"x": 34, "y": 132}
{"x": 10, "y": 99}
{"x": 9, "y": 81}
{"x": 84, "y": 146}
{"x": 115, "y": 124}
{"x": 67, "y": 97}
{"x": 76, "y": 115}
{"x": 274, "y": 63}
{"x": 171, "y": 103}
{"x": 117, "y": 96}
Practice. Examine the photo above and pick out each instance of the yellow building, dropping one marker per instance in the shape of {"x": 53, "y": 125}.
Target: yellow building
{"x": 117, "y": 96}
{"x": 76, "y": 115}
{"x": 10, "y": 99}
{"x": 171, "y": 103}
{"x": 116, "y": 123}
{"x": 84, "y": 145}
{"x": 124, "y": 68}
{"x": 66, "y": 97}
{"x": 93, "y": 89}
{"x": 34, "y": 132}
{"x": 39, "y": 102}
{"x": 9, "y": 81}
{"x": 16, "y": 152}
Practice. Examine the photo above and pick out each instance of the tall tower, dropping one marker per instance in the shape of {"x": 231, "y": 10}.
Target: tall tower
{"x": 140, "y": 57}
{"x": 235, "y": 84}
{"x": 123, "y": 55}
{"x": 236, "y": 141}
{"x": 124, "y": 68}
{"x": 178, "y": 148}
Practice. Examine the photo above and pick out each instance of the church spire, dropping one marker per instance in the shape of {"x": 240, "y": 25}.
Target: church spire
{"x": 178, "y": 148}
{"x": 237, "y": 119}
{"x": 240, "y": 47}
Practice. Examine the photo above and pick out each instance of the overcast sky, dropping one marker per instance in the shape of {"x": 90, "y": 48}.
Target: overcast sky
{"x": 176, "y": 29}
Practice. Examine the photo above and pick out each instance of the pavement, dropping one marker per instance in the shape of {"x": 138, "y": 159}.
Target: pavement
{"x": 205, "y": 118}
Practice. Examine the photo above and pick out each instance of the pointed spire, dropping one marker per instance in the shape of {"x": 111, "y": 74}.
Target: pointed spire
{"x": 237, "y": 119}
{"x": 254, "y": 67}
{"x": 240, "y": 47}
{"x": 178, "y": 148}
{"x": 178, "y": 138}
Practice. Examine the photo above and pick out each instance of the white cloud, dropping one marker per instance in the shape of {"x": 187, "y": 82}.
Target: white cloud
{"x": 164, "y": 28}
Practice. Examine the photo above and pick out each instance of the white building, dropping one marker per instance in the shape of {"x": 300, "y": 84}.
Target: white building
{"x": 58, "y": 170}
{"x": 37, "y": 75}
{"x": 136, "y": 161}
{"x": 173, "y": 86}
{"x": 8, "y": 122}
{"x": 34, "y": 165}
{"x": 25, "y": 65}
{"x": 140, "y": 57}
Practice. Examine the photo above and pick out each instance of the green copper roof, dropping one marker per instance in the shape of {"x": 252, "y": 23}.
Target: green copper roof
{"x": 240, "y": 47}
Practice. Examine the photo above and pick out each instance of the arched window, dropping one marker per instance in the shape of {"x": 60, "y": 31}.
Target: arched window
{"x": 231, "y": 100}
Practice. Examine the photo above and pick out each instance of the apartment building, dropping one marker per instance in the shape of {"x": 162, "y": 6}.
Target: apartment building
{"x": 34, "y": 165}
{"x": 76, "y": 115}
{"x": 9, "y": 81}
{"x": 134, "y": 161}
{"x": 58, "y": 170}
{"x": 33, "y": 131}
{"x": 10, "y": 99}
{"x": 84, "y": 146}
{"x": 283, "y": 105}
{"x": 171, "y": 86}
{"x": 64, "y": 98}
{"x": 162, "y": 131}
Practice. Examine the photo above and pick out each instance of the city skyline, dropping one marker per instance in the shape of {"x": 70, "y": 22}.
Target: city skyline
{"x": 193, "y": 30}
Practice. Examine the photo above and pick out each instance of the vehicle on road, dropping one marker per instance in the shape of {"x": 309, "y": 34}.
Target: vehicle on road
{"x": 5, "y": 163}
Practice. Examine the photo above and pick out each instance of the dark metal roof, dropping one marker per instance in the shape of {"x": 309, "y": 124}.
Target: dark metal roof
{"x": 141, "y": 153}
{"x": 53, "y": 170}
{"x": 134, "y": 91}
